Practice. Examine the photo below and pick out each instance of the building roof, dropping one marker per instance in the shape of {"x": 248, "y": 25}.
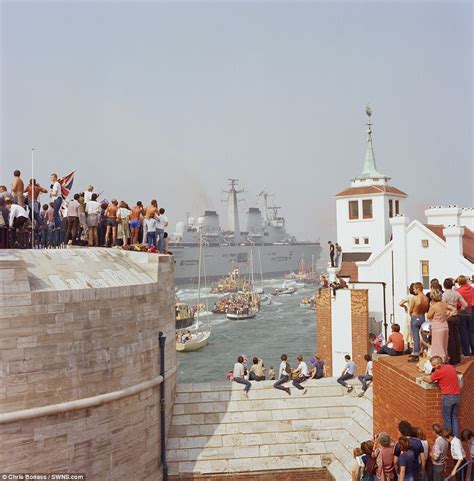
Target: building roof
{"x": 355, "y": 256}
{"x": 349, "y": 270}
{"x": 467, "y": 239}
{"x": 371, "y": 189}
{"x": 369, "y": 170}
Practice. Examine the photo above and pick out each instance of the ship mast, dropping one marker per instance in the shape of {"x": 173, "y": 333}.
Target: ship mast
{"x": 232, "y": 210}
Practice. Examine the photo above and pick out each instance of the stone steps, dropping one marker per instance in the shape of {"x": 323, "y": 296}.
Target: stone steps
{"x": 214, "y": 430}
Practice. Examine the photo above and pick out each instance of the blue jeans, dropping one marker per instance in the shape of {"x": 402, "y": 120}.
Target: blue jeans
{"x": 450, "y": 408}
{"x": 365, "y": 381}
{"x": 57, "y": 205}
{"x": 465, "y": 327}
{"x": 416, "y": 322}
{"x": 280, "y": 382}
{"x": 342, "y": 380}
{"x": 160, "y": 237}
{"x": 151, "y": 238}
{"x": 390, "y": 351}
{"x": 241, "y": 380}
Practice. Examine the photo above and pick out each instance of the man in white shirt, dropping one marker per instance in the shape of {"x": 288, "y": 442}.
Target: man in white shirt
{"x": 239, "y": 376}
{"x": 303, "y": 374}
{"x": 457, "y": 451}
{"x": 162, "y": 223}
{"x": 367, "y": 378}
{"x": 18, "y": 216}
{"x": 56, "y": 195}
{"x": 283, "y": 375}
{"x": 73, "y": 220}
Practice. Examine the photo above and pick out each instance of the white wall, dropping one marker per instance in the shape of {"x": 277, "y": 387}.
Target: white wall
{"x": 441, "y": 263}
{"x": 341, "y": 326}
{"x": 467, "y": 218}
{"x": 377, "y": 229}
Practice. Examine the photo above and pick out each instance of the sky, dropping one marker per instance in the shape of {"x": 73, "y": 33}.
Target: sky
{"x": 168, "y": 100}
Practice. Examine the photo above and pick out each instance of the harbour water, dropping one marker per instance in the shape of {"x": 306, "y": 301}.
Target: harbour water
{"x": 282, "y": 327}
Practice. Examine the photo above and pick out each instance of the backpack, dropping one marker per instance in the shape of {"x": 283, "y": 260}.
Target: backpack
{"x": 371, "y": 466}
{"x": 288, "y": 369}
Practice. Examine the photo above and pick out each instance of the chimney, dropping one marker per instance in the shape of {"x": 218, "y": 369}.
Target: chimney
{"x": 454, "y": 235}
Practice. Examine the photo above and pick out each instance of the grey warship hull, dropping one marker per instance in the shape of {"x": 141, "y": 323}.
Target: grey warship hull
{"x": 219, "y": 260}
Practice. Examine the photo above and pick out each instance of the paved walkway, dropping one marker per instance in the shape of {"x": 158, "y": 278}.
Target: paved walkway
{"x": 215, "y": 431}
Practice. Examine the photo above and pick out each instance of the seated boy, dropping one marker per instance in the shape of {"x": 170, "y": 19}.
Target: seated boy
{"x": 395, "y": 345}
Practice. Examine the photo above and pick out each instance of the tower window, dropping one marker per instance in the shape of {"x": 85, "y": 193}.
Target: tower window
{"x": 425, "y": 274}
{"x": 353, "y": 209}
{"x": 366, "y": 241}
{"x": 390, "y": 208}
{"x": 397, "y": 207}
{"x": 356, "y": 241}
{"x": 367, "y": 209}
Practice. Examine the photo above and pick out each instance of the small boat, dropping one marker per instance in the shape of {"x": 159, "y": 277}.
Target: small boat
{"x": 238, "y": 315}
{"x": 283, "y": 291}
{"x": 184, "y": 316}
{"x": 197, "y": 341}
{"x": 305, "y": 302}
{"x": 196, "y": 337}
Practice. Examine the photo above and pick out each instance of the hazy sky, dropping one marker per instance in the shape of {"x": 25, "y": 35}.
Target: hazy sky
{"x": 169, "y": 99}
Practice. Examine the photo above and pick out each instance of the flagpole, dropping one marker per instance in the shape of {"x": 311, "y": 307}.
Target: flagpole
{"x": 32, "y": 205}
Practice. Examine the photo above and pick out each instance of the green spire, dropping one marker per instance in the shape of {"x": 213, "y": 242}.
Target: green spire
{"x": 370, "y": 168}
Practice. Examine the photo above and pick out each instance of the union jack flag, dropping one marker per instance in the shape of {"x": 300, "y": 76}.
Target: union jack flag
{"x": 66, "y": 184}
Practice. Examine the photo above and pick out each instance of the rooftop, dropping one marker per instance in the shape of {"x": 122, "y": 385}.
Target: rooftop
{"x": 467, "y": 239}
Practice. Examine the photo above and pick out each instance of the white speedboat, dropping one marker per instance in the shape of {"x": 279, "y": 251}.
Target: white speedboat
{"x": 238, "y": 316}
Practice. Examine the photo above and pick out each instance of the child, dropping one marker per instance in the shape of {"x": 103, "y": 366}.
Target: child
{"x": 395, "y": 345}
{"x": 271, "y": 374}
{"x": 376, "y": 341}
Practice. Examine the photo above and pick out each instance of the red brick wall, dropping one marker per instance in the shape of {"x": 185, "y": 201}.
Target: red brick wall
{"x": 314, "y": 474}
{"x": 323, "y": 331}
{"x": 397, "y": 397}
{"x": 467, "y": 393}
{"x": 360, "y": 327}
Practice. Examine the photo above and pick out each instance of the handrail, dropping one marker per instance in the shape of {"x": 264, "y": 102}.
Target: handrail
{"x": 462, "y": 470}
{"x": 83, "y": 403}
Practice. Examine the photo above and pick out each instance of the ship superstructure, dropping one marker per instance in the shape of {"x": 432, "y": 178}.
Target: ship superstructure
{"x": 274, "y": 250}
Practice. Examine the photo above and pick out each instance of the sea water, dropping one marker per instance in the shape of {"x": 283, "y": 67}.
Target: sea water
{"x": 282, "y": 327}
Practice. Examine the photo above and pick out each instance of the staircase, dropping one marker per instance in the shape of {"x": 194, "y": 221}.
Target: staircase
{"x": 214, "y": 430}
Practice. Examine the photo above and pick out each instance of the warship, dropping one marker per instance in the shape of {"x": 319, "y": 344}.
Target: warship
{"x": 265, "y": 240}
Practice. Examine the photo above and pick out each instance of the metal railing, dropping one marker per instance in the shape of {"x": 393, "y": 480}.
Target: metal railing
{"x": 464, "y": 473}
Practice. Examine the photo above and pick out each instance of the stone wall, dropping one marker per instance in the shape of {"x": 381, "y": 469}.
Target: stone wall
{"x": 79, "y": 362}
{"x": 324, "y": 329}
{"x": 315, "y": 474}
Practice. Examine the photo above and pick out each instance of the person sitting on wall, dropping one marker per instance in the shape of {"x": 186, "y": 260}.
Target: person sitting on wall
{"x": 340, "y": 283}
{"x": 318, "y": 370}
{"x": 395, "y": 344}
{"x": 366, "y": 379}
{"x": 347, "y": 373}
{"x": 376, "y": 341}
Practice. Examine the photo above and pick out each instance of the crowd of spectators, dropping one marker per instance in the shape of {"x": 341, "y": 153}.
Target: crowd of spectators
{"x": 412, "y": 458}
{"x": 81, "y": 219}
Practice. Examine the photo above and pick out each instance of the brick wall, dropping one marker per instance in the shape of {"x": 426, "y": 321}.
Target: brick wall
{"x": 60, "y": 345}
{"x": 360, "y": 327}
{"x": 398, "y": 397}
{"x": 360, "y": 332}
{"x": 323, "y": 331}
{"x": 314, "y": 474}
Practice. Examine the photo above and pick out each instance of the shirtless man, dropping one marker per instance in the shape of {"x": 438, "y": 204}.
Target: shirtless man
{"x": 18, "y": 188}
{"x": 111, "y": 214}
{"x": 135, "y": 217}
{"x": 417, "y": 309}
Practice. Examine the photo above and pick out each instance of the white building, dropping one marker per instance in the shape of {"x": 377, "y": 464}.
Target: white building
{"x": 381, "y": 245}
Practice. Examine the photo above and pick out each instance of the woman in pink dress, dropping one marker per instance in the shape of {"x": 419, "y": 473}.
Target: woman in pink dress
{"x": 438, "y": 315}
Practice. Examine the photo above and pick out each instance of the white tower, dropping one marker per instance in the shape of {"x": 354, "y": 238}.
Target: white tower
{"x": 365, "y": 208}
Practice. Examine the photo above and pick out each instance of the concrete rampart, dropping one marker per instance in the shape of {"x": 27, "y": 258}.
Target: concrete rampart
{"x": 79, "y": 361}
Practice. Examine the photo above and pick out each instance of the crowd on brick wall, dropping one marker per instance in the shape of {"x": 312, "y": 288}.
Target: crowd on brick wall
{"x": 412, "y": 458}
{"x": 78, "y": 219}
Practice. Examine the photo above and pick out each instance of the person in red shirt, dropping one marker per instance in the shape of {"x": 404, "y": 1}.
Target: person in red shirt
{"x": 466, "y": 321}
{"x": 446, "y": 377}
{"x": 395, "y": 344}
